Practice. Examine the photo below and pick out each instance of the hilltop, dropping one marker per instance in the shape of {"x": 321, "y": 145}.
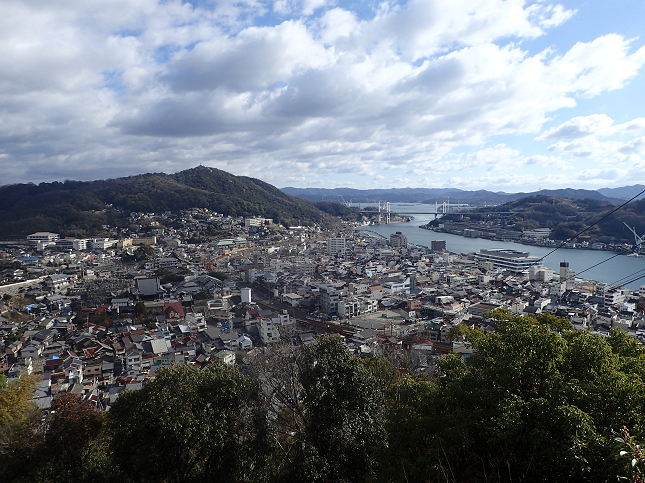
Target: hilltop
{"x": 565, "y": 217}
{"x": 78, "y": 208}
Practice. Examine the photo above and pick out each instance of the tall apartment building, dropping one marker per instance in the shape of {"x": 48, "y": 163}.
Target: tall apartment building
{"x": 567, "y": 275}
{"x": 336, "y": 246}
{"x": 329, "y": 300}
{"x": 398, "y": 240}
{"x": 438, "y": 245}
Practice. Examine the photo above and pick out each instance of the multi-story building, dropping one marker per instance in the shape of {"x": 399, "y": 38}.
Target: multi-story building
{"x": 349, "y": 307}
{"x": 438, "y": 245}
{"x": 336, "y": 246}
{"x": 268, "y": 330}
{"x": 614, "y": 296}
{"x": 397, "y": 286}
{"x": 567, "y": 276}
{"x": 398, "y": 240}
{"x": 43, "y": 236}
{"x": 512, "y": 260}
{"x": 249, "y": 222}
{"x": 329, "y": 300}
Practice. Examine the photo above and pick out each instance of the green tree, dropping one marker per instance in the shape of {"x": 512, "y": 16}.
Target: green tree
{"x": 140, "y": 310}
{"x": 191, "y": 425}
{"x": 219, "y": 275}
{"x": 202, "y": 295}
{"x": 343, "y": 409}
{"x": 19, "y": 420}
{"x": 537, "y": 402}
{"x": 71, "y": 445}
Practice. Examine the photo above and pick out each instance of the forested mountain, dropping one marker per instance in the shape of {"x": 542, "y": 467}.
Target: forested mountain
{"x": 624, "y": 193}
{"x": 82, "y": 208}
{"x": 566, "y": 217}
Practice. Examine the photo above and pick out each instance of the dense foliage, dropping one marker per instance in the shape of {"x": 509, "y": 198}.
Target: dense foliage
{"x": 82, "y": 208}
{"x": 537, "y": 402}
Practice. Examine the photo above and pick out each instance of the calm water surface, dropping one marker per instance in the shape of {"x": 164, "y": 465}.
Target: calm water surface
{"x": 614, "y": 271}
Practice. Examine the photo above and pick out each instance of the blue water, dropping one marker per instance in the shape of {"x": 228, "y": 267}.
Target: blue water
{"x": 614, "y": 271}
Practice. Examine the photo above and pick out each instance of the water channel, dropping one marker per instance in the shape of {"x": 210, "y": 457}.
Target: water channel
{"x": 613, "y": 271}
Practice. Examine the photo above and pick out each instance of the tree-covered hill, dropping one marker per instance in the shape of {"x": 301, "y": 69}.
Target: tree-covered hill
{"x": 565, "y": 217}
{"x": 82, "y": 208}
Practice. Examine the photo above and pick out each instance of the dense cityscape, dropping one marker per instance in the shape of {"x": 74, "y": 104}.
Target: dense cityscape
{"x": 92, "y": 318}
{"x": 316, "y": 241}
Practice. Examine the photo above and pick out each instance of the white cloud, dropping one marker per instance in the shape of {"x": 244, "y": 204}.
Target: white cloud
{"x": 548, "y": 161}
{"x": 637, "y": 147}
{"x": 89, "y": 88}
{"x": 578, "y": 127}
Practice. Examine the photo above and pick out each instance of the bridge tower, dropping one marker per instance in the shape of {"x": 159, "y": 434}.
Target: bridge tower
{"x": 387, "y": 216}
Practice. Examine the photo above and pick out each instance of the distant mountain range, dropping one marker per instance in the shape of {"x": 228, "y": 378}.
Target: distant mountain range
{"x": 564, "y": 216}
{"x": 432, "y": 195}
{"x": 624, "y": 193}
{"x": 76, "y": 208}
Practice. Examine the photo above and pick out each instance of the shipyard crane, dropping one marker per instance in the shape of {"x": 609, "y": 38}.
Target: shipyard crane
{"x": 637, "y": 239}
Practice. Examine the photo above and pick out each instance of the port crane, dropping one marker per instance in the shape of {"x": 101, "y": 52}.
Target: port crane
{"x": 637, "y": 239}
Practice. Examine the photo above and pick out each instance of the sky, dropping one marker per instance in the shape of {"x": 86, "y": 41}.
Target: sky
{"x": 504, "y": 95}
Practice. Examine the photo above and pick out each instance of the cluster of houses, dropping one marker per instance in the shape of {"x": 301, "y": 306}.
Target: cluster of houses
{"x": 95, "y": 323}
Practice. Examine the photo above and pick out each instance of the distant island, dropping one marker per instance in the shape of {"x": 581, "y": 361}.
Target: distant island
{"x": 563, "y": 219}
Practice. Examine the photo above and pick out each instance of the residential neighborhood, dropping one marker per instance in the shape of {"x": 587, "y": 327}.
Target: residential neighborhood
{"x": 95, "y": 317}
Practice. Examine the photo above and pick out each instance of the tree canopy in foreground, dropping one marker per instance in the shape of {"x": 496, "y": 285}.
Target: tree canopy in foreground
{"x": 537, "y": 402}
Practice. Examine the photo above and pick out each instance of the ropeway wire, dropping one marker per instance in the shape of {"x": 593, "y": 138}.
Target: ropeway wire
{"x": 591, "y": 226}
{"x": 629, "y": 278}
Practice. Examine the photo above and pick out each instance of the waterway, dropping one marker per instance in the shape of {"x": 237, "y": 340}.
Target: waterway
{"x": 614, "y": 271}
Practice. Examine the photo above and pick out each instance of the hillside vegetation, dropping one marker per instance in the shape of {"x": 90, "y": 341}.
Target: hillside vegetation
{"x": 76, "y": 208}
{"x": 565, "y": 217}
{"x": 537, "y": 402}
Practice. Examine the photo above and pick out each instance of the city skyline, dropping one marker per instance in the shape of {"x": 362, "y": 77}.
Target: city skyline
{"x": 500, "y": 95}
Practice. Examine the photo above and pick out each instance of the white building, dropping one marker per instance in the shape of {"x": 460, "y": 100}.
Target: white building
{"x": 268, "y": 330}
{"x": 399, "y": 286}
{"x": 43, "y": 236}
{"x": 267, "y": 274}
{"x": 502, "y": 258}
{"x": 249, "y": 222}
{"x": 614, "y": 296}
{"x": 133, "y": 360}
{"x": 349, "y": 308}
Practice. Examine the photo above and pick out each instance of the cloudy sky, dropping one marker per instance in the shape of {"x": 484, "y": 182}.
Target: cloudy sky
{"x": 505, "y": 95}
